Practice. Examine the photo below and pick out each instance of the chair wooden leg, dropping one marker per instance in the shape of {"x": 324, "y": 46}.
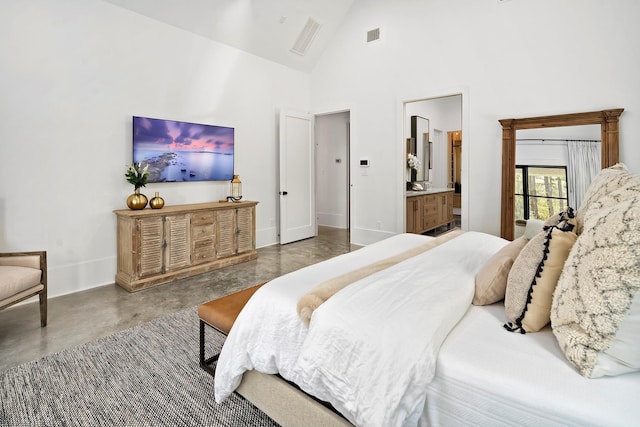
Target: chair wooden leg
{"x": 43, "y": 309}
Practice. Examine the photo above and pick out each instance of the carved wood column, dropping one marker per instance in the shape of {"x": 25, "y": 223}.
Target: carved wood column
{"x": 509, "y": 179}
{"x": 610, "y": 138}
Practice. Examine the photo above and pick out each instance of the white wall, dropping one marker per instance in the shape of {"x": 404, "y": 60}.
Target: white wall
{"x": 515, "y": 59}
{"x": 72, "y": 73}
{"x": 331, "y": 169}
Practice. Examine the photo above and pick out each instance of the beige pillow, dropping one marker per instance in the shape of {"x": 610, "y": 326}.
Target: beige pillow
{"x": 595, "y": 314}
{"x": 491, "y": 280}
{"x": 534, "y": 276}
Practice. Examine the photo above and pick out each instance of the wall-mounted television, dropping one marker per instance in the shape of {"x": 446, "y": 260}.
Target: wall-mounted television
{"x": 180, "y": 151}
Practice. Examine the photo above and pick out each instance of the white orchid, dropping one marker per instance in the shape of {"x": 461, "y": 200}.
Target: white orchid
{"x": 413, "y": 161}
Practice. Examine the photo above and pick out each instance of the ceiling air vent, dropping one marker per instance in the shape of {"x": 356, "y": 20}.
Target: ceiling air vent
{"x": 373, "y": 35}
{"x": 306, "y": 36}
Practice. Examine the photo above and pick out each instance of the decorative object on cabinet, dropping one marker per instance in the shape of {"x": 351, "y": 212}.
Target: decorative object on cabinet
{"x": 137, "y": 200}
{"x": 137, "y": 176}
{"x": 158, "y": 246}
{"x": 156, "y": 202}
{"x": 236, "y": 189}
{"x": 413, "y": 162}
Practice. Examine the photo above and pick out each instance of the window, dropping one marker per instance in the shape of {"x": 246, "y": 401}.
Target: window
{"x": 541, "y": 191}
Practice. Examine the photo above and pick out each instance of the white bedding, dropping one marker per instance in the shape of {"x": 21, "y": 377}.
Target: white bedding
{"x": 489, "y": 377}
{"x": 370, "y": 350}
{"x": 270, "y": 316}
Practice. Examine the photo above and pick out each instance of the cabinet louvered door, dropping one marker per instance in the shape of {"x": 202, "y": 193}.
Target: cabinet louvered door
{"x": 226, "y": 233}
{"x": 149, "y": 247}
{"x": 245, "y": 226}
{"x": 177, "y": 251}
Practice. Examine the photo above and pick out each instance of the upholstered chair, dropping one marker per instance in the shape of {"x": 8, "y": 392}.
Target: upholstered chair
{"x": 24, "y": 275}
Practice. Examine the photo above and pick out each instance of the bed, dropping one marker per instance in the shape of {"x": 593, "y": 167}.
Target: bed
{"x": 404, "y": 345}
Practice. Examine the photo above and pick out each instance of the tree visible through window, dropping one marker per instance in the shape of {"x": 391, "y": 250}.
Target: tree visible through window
{"x": 541, "y": 191}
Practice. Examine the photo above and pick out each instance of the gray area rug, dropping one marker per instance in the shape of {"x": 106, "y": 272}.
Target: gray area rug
{"x": 144, "y": 376}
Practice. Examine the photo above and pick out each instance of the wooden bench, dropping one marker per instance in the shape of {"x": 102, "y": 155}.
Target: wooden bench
{"x": 220, "y": 314}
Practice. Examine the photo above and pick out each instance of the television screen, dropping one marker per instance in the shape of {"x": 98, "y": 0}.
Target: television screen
{"x": 179, "y": 151}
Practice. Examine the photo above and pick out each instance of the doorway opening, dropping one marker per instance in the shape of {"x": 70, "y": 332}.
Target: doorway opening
{"x": 454, "y": 170}
{"x": 333, "y": 194}
{"x": 446, "y": 169}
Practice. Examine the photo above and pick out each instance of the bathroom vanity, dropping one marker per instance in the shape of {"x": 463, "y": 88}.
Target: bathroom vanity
{"x": 429, "y": 209}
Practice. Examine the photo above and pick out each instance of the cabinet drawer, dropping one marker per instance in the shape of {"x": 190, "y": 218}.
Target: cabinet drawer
{"x": 430, "y": 200}
{"x": 202, "y": 218}
{"x": 430, "y": 209}
{"x": 199, "y": 232}
{"x": 430, "y": 222}
{"x": 203, "y": 244}
{"x": 204, "y": 254}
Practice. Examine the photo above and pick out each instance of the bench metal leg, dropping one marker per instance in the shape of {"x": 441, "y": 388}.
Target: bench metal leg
{"x": 206, "y": 364}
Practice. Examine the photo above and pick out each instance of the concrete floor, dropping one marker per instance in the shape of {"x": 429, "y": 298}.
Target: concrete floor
{"x": 84, "y": 316}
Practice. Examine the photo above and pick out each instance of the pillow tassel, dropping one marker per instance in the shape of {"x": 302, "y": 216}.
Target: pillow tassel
{"x": 509, "y": 327}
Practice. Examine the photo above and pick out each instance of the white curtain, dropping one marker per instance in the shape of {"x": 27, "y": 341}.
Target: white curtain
{"x": 583, "y": 166}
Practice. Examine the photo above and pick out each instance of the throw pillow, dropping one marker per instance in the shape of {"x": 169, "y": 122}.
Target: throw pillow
{"x": 607, "y": 181}
{"x": 491, "y": 280}
{"x": 595, "y": 314}
{"x": 533, "y": 227}
{"x": 534, "y": 275}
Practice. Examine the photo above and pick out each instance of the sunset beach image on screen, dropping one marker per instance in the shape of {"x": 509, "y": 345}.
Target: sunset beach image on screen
{"x": 180, "y": 151}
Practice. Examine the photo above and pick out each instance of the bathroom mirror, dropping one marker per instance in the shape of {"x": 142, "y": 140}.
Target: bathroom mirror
{"x": 608, "y": 121}
{"x": 420, "y": 147}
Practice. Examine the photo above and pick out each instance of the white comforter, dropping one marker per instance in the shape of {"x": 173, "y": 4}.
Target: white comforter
{"x": 370, "y": 350}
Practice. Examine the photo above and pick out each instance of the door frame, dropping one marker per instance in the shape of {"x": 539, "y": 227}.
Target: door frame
{"x": 348, "y": 183}
{"x": 401, "y": 162}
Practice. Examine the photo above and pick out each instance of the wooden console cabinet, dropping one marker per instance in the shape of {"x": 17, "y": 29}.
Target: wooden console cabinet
{"x": 426, "y": 211}
{"x": 161, "y": 245}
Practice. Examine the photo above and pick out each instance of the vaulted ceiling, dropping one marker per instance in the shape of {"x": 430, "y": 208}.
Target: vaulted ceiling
{"x": 266, "y": 28}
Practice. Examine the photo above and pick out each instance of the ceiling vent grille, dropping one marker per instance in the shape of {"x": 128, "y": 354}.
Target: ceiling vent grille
{"x": 306, "y": 36}
{"x": 373, "y": 35}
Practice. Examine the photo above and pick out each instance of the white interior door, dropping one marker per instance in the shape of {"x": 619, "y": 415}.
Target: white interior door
{"x": 297, "y": 177}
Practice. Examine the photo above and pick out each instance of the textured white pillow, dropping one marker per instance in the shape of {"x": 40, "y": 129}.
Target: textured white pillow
{"x": 607, "y": 181}
{"x": 595, "y": 314}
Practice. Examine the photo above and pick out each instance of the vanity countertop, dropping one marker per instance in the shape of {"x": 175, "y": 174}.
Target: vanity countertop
{"x": 410, "y": 193}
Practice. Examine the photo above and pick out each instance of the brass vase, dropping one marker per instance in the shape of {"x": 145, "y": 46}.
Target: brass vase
{"x": 156, "y": 202}
{"x": 137, "y": 201}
